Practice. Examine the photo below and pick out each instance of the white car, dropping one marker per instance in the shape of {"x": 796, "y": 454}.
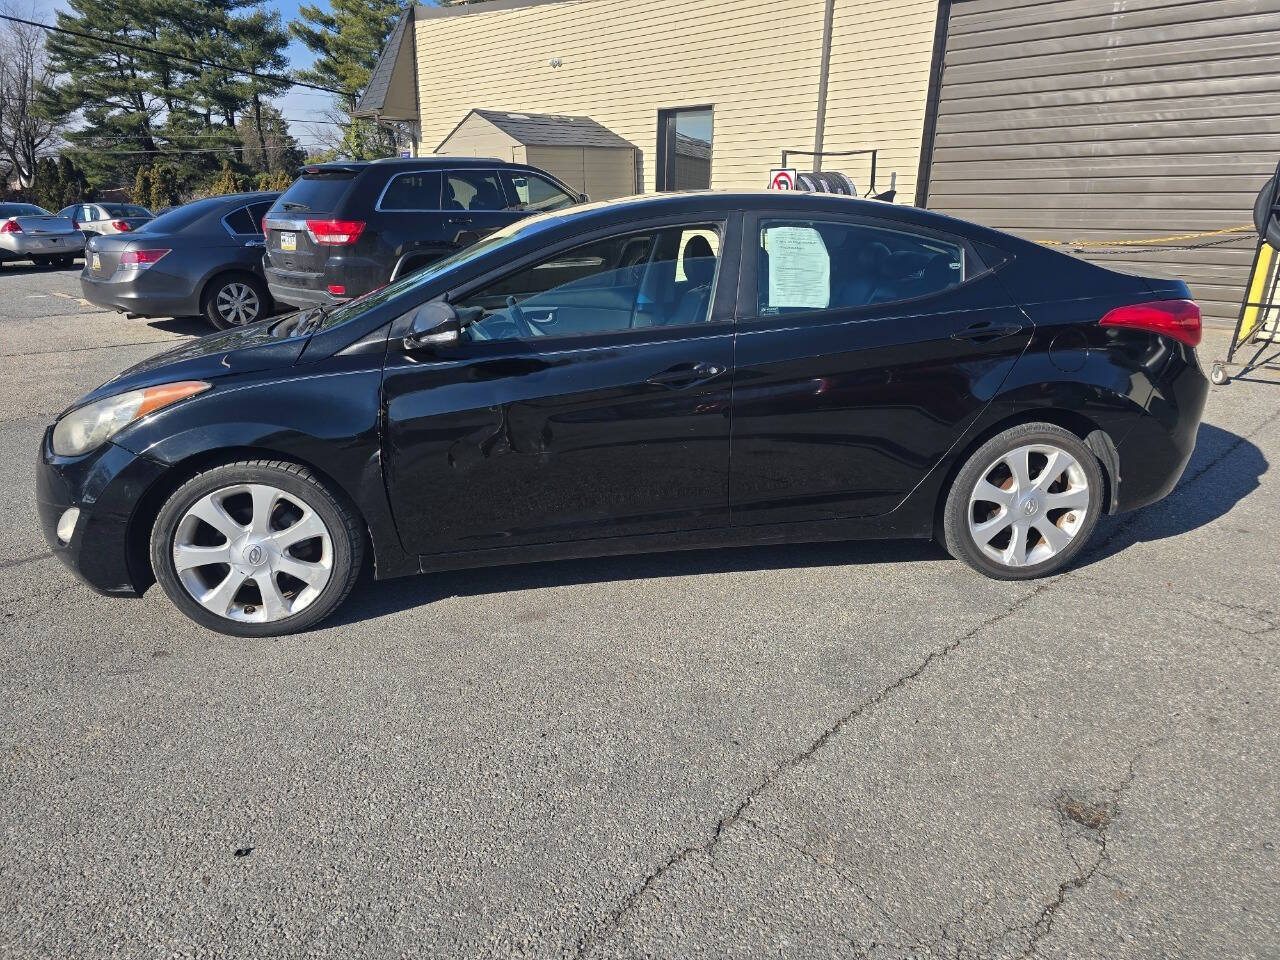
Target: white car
{"x": 106, "y": 218}
{"x": 28, "y": 232}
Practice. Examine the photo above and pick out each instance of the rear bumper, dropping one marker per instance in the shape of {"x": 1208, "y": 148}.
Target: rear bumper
{"x": 1154, "y": 454}
{"x": 20, "y": 247}
{"x": 106, "y": 486}
{"x": 148, "y": 293}
{"x": 301, "y": 297}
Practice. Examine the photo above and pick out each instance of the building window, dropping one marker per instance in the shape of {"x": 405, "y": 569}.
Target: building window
{"x": 684, "y": 149}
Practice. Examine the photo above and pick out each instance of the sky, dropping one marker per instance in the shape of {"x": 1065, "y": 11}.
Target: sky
{"x": 297, "y": 105}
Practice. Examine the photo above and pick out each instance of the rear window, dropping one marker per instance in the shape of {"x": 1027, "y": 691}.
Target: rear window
{"x": 179, "y": 218}
{"x": 8, "y": 210}
{"x": 126, "y": 210}
{"x": 318, "y": 193}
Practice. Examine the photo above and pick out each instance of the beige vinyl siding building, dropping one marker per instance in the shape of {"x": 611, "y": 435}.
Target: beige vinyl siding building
{"x": 755, "y": 63}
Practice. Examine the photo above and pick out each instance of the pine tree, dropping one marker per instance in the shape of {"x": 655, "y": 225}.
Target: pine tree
{"x": 164, "y": 188}
{"x": 347, "y": 40}
{"x": 141, "y": 192}
{"x": 46, "y": 189}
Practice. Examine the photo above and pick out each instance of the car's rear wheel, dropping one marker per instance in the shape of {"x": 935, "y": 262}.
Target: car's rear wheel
{"x": 1025, "y": 503}
{"x": 257, "y": 548}
{"x": 235, "y": 300}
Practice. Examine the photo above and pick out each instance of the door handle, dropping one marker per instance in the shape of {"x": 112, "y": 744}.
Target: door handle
{"x": 985, "y": 331}
{"x": 686, "y": 375}
{"x": 458, "y": 220}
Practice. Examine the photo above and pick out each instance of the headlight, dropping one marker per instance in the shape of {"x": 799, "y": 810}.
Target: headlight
{"x": 94, "y": 424}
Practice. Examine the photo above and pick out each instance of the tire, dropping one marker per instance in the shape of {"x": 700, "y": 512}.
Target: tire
{"x": 235, "y": 300}
{"x": 219, "y": 558}
{"x": 1054, "y": 515}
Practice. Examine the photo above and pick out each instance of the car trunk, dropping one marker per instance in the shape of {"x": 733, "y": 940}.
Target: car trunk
{"x": 314, "y": 196}
{"x": 43, "y": 226}
{"x": 102, "y": 258}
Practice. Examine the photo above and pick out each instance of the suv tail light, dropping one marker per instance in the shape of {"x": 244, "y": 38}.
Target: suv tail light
{"x": 121, "y": 225}
{"x": 141, "y": 258}
{"x": 10, "y": 226}
{"x": 1179, "y": 319}
{"x": 335, "y": 233}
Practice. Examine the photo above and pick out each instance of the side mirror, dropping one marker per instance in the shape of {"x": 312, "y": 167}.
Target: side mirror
{"x": 434, "y": 324}
{"x": 583, "y": 198}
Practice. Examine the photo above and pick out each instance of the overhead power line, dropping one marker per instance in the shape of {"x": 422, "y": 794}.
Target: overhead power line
{"x": 196, "y": 61}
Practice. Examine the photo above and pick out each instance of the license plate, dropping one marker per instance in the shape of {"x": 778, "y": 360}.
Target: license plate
{"x": 289, "y": 241}
{"x": 97, "y": 262}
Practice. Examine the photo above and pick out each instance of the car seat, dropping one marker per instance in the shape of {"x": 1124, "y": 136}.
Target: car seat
{"x": 699, "y": 263}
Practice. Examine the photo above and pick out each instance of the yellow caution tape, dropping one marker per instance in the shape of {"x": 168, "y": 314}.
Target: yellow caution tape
{"x": 1153, "y": 241}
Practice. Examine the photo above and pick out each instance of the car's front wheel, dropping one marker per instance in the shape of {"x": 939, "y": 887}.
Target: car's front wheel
{"x": 235, "y": 300}
{"x": 1025, "y": 503}
{"x": 257, "y": 548}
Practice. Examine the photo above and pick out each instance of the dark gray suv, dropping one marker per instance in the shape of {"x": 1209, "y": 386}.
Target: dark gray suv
{"x": 344, "y": 229}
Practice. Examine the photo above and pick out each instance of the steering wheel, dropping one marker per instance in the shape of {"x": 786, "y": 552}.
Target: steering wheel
{"x": 520, "y": 320}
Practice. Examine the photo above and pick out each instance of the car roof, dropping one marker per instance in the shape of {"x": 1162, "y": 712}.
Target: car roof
{"x": 414, "y": 163}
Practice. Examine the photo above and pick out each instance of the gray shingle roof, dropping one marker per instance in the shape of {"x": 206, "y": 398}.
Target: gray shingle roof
{"x": 375, "y": 93}
{"x": 553, "y": 130}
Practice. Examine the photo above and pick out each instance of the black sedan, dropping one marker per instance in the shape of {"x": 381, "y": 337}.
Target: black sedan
{"x": 658, "y": 373}
{"x": 203, "y": 258}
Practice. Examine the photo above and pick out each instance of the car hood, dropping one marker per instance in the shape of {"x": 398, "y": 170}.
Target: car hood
{"x": 243, "y": 350}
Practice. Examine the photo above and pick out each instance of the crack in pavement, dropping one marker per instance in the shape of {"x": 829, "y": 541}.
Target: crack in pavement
{"x": 1043, "y": 925}
{"x": 601, "y": 933}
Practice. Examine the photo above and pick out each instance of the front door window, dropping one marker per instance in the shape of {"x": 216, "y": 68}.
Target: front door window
{"x": 655, "y": 278}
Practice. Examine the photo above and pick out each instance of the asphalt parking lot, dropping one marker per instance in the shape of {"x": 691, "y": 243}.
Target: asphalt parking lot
{"x": 858, "y": 750}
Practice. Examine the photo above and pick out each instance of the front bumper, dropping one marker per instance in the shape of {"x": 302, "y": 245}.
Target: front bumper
{"x": 148, "y": 293}
{"x": 107, "y": 486}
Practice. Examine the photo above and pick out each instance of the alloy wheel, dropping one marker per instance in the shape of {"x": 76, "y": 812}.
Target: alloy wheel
{"x": 238, "y": 304}
{"x": 253, "y": 553}
{"x": 1029, "y": 505}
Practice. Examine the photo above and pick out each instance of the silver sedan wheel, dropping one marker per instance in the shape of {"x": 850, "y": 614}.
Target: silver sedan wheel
{"x": 253, "y": 553}
{"x": 237, "y": 304}
{"x": 1029, "y": 505}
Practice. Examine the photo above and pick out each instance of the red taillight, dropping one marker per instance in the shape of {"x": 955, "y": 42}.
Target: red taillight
{"x": 337, "y": 289}
{"x": 10, "y": 226}
{"x": 335, "y": 232}
{"x": 1179, "y": 319}
{"x": 121, "y": 225}
{"x": 264, "y": 226}
{"x": 141, "y": 258}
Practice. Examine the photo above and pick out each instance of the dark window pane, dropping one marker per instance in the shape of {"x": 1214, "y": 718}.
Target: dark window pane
{"x": 240, "y": 222}
{"x": 413, "y": 191}
{"x": 314, "y": 194}
{"x": 535, "y": 193}
{"x": 655, "y": 278}
{"x": 685, "y": 149}
{"x": 473, "y": 190}
{"x": 256, "y": 212}
{"x": 808, "y": 265}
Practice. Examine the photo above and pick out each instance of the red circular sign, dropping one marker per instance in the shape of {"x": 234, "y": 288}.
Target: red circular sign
{"x": 782, "y": 181}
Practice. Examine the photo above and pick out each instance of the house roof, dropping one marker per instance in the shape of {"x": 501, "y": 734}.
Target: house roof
{"x": 374, "y": 101}
{"x": 552, "y": 130}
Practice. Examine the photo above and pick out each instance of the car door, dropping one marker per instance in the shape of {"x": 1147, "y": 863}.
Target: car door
{"x": 411, "y": 220}
{"x": 591, "y": 399}
{"x": 865, "y": 349}
{"x": 475, "y": 204}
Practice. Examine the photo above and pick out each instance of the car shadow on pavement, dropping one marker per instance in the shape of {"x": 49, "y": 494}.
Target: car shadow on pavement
{"x": 391, "y": 596}
{"x": 18, "y": 269}
{"x": 1240, "y": 466}
{"x": 187, "y": 326}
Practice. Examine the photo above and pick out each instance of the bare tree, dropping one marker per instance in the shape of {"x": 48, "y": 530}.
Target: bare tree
{"x": 27, "y": 130}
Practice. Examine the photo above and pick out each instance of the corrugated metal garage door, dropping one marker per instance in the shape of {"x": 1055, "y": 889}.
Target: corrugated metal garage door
{"x": 1113, "y": 120}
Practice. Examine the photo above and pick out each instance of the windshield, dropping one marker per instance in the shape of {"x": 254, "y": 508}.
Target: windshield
{"x": 494, "y": 241}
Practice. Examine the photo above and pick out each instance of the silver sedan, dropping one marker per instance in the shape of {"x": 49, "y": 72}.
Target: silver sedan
{"x": 28, "y": 232}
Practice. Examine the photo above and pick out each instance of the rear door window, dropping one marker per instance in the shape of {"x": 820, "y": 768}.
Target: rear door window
{"x": 419, "y": 190}
{"x": 240, "y": 222}
{"x": 812, "y": 265}
{"x": 473, "y": 190}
